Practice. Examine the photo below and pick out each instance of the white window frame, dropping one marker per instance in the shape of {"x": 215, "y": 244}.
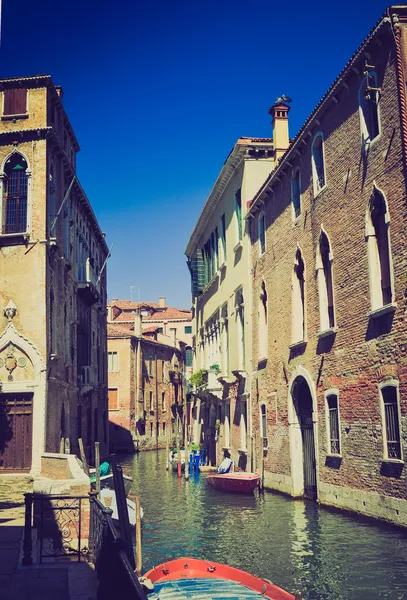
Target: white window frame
{"x": 263, "y": 433}
{"x": 374, "y": 259}
{"x": 260, "y": 218}
{"x": 296, "y": 172}
{"x": 113, "y": 352}
{"x": 297, "y": 306}
{"x": 382, "y": 385}
{"x": 316, "y": 187}
{"x": 332, "y": 392}
{"x": 263, "y": 322}
{"x": 226, "y": 424}
{"x": 243, "y": 424}
{"x": 324, "y": 325}
{"x": 364, "y": 132}
{"x": 151, "y": 401}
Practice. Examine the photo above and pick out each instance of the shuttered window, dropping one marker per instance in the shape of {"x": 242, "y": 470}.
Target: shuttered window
{"x": 15, "y": 102}
{"x": 113, "y": 395}
{"x": 16, "y": 195}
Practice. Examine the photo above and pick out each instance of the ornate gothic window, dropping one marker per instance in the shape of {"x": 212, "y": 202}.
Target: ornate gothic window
{"x": 15, "y": 189}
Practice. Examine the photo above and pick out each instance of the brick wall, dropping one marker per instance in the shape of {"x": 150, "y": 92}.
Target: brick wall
{"x": 364, "y": 351}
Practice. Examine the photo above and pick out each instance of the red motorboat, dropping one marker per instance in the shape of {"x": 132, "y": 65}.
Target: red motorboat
{"x": 196, "y": 579}
{"x": 236, "y": 483}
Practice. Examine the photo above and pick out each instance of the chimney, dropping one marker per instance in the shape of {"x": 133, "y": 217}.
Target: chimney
{"x": 281, "y": 140}
{"x": 137, "y": 323}
{"x": 162, "y": 301}
{"x": 59, "y": 91}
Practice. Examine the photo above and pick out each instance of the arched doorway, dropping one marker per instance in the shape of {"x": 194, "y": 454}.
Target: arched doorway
{"x": 302, "y": 435}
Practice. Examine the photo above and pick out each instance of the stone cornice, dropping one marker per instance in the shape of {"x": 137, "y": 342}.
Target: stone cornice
{"x": 231, "y": 164}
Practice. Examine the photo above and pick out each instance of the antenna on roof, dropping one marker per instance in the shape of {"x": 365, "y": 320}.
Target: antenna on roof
{"x": 133, "y": 288}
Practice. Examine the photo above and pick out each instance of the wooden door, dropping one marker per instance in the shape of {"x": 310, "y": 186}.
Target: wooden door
{"x": 16, "y": 413}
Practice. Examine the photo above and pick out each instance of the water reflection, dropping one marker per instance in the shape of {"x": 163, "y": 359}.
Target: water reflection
{"x": 295, "y": 544}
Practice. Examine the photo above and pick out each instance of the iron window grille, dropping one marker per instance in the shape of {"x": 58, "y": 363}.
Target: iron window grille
{"x": 389, "y": 395}
{"x": 334, "y": 442}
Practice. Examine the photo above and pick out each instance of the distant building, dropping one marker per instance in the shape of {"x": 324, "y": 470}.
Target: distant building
{"x": 173, "y": 323}
{"x": 218, "y": 254}
{"x": 329, "y": 263}
{"x": 147, "y": 391}
{"x": 53, "y": 375}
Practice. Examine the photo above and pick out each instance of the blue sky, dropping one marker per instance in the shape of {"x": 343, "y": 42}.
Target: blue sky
{"x": 159, "y": 91}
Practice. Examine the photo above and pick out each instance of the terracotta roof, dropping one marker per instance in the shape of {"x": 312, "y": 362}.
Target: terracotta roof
{"x": 115, "y": 331}
{"x": 170, "y": 313}
{"x": 128, "y": 304}
{"x": 124, "y": 316}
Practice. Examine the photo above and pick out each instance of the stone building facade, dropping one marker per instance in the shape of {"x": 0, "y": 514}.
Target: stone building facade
{"x": 147, "y": 400}
{"x": 53, "y": 374}
{"x": 329, "y": 267}
{"x": 218, "y": 253}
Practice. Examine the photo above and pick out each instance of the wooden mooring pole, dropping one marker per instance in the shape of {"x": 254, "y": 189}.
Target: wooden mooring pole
{"x": 97, "y": 467}
{"x": 138, "y": 537}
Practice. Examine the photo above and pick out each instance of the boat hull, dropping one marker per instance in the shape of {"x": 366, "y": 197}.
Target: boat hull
{"x": 234, "y": 483}
{"x": 193, "y": 578}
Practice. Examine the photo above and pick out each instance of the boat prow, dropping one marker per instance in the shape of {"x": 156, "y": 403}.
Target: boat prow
{"x": 195, "y": 579}
{"x": 235, "y": 483}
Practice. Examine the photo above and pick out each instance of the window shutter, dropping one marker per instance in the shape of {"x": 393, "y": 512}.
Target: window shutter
{"x": 15, "y": 102}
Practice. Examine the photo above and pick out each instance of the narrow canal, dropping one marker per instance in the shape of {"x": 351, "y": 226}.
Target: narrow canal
{"x": 304, "y": 549}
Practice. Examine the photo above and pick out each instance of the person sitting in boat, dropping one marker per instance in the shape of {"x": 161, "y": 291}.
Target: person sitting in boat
{"x": 225, "y": 465}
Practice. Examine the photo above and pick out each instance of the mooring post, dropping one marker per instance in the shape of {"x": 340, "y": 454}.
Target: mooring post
{"x": 167, "y": 464}
{"x": 27, "y": 545}
{"x": 138, "y": 537}
{"x": 97, "y": 467}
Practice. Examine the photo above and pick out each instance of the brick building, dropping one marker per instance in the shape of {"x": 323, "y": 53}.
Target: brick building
{"x": 329, "y": 265}
{"x": 146, "y": 374}
{"x": 53, "y": 380}
{"x": 157, "y": 318}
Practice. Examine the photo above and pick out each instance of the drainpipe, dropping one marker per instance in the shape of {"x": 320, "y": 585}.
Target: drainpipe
{"x": 400, "y": 33}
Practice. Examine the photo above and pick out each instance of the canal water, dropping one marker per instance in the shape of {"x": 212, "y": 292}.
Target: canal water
{"x": 305, "y": 549}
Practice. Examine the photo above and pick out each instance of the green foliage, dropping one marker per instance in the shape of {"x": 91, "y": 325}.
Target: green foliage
{"x": 217, "y": 424}
{"x": 198, "y": 378}
{"x": 215, "y": 368}
{"x": 195, "y": 447}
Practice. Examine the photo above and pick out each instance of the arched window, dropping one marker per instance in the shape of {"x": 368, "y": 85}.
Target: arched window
{"x": 325, "y": 285}
{"x": 261, "y": 225}
{"x": 296, "y": 193}
{"x": 369, "y": 108}
{"x": 318, "y": 163}
{"x": 298, "y": 300}
{"x": 378, "y": 245}
{"x": 15, "y": 195}
{"x": 263, "y": 332}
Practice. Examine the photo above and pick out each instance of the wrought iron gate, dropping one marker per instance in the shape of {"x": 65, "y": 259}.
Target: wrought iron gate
{"x": 308, "y": 448}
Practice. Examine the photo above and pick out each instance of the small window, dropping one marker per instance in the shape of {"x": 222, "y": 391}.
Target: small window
{"x": 298, "y": 300}
{"x": 296, "y": 194}
{"x": 188, "y": 329}
{"x": 163, "y": 405}
{"x": 151, "y": 402}
{"x": 369, "y": 108}
{"x": 188, "y": 357}
{"x": 160, "y": 329}
{"x": 164, "y": 429}
{"x": 318, "y": 163}
{"x": 261, "y": 224}
{"x": 112, "y": 361}
{"x": 325, "y": 284}
{"x": 113, "y": 397}
{"x": 263, "y": 425}
{"x": 15, "y": 102}
{"x": 333, "y": 424}
{"x": 263, "y": 329}
{"x": 238, "y": 212}
{"x": 391, "y": 422}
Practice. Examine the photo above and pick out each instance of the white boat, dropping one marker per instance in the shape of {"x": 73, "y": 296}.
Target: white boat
{"x": 108, "y": 498}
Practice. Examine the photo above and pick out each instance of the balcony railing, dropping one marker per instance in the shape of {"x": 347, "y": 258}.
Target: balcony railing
{"x": 89, "y": 284}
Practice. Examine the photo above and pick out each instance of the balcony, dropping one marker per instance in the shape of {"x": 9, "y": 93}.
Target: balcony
{"x": 89, "y": 285}
{"x": 89, "y": 377}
